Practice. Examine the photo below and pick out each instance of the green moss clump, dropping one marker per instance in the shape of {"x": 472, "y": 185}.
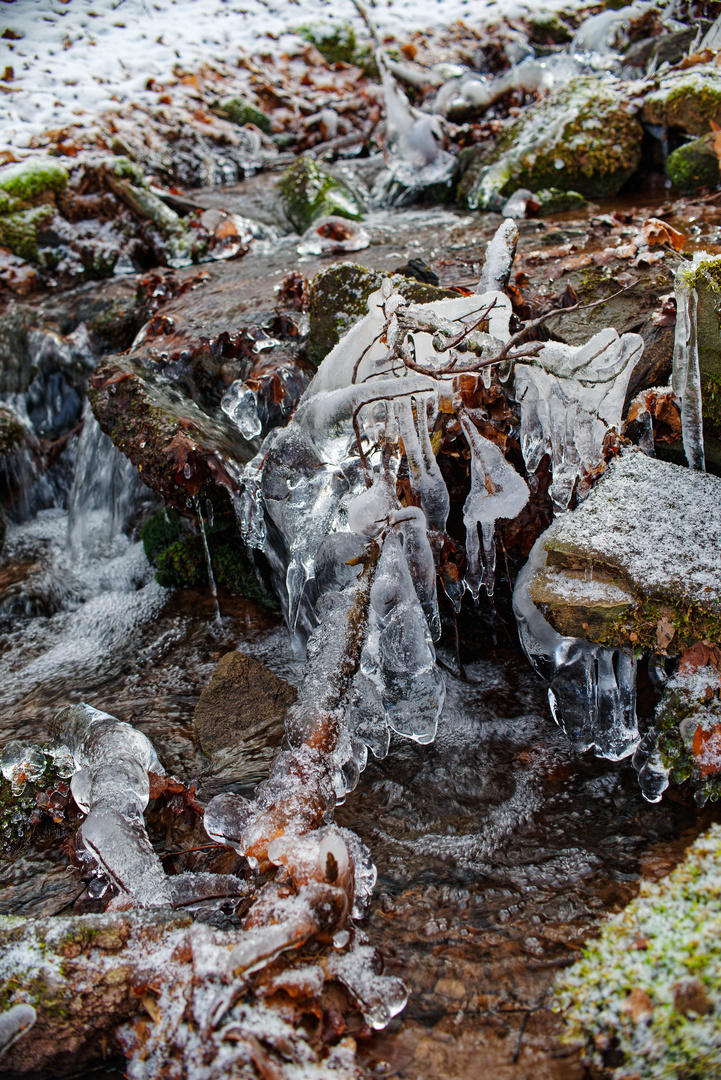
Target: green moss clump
{"x": 19, "y": 231}
{"x": 690, "y": 700}
{"x": 548, "y": 29}
{"x": 581, "y": 139}
{"x": 12, "y": 433}
{"x": 308, "y": 192}
{"x": 33, "y": 177}
{"x": 555, "y": 201}
{"x": 337, "y": 43}
{"x": 688, "y": 100}
{"x": 711, "y": 403}
{"x": 160, "y": 531}
{"x": 240, "y": 111}
{"x": 693, "y": 166}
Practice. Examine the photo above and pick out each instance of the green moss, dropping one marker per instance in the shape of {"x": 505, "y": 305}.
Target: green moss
{"x": 581, "y": 138}
{"x": 548, "y": 29}
{"x": 711, "y": 403}
{"x": 160, "y": 531}
{"x": 688, "y": 100}
{"x": 33, "y": 177}
{"x": 125, "y": 169}
{"x": 693, "y": 166}
{"x": 182, "y": 564}
{"x": 669, "y": 934}
{"x": 19, "y": 231}
{"x": 12, "y": 433}
{"x": 240, "y": 111}
{"x": 308, "y": 192}
{"x": 555, "y": 201}
{"x": 337, "y": 43}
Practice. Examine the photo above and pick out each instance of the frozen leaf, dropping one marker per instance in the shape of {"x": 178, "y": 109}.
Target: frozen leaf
{"x": 665, "y": 631}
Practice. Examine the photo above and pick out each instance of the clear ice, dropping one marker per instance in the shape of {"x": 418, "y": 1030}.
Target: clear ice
{"x": 695, "y": 287}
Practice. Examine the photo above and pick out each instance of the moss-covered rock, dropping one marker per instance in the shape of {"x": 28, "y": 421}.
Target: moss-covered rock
{"x": 337, "y": 43}
{"x": 547, "y": 28}
{"x": 19, "y": 231}
{"x": 126, "y": 179}
{"x": 29, "y": 179}
{"x": 693, "y": 166}
{"x": 12, "y": 433}
{"x": 241, "y": 111}
{"x": 688, "y": 100}
{"x": 581, "y": 138}
{"x": 555, "y": 201}
{"x": 339, "y": 297}
{"x": 688, "y": 720}
{"x": 308, "y": 192}
{"x": 645, "y": 998}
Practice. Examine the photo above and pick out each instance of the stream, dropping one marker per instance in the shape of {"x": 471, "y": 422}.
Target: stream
{"x": 498, "y": 848}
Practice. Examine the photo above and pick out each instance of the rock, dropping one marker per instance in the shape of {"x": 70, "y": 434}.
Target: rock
{"x": 580, "y": 138}
{"x": 308, "y": 192}
{"x": 636, "y": 565}
{"x": 127, "y": 181}
{"x": 663, "y": 49}
{"x": 240, "y": 717}
{"x": 241, "y": 111}
{"x": 28, "y": 180}
{"x": 547, "y": 28}
{"x": 555, "y": 201}
{"x": 694, "y": 165}
{"x": 339, "y": 297}
{"x": 19, "y": 231}
{"x": 12, "y": 433}
{"x": 337, "y": 43}
{"x": 688, "y": 100}
{"x": 665, "y": 946}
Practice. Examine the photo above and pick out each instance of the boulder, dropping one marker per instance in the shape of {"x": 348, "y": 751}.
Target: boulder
{"x": 693, "y": 166}
{"x": 307, "y": 192}
{"x": 636, "y": 565}
{"x": 580, "y": 138}
{"x": 688, "y": 100}
{"x": 240, "y": 717}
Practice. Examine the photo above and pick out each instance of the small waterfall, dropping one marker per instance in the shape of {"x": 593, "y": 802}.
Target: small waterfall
{"x": 106, "y": 491}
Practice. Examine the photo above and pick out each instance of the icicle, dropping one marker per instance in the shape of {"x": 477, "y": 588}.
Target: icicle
{"x": 686, "y": 378}
{"x": 500, "y": 253}
{"x": 398, "y": 656}
{"x": 208, "y": 562}
{"x": 497, "y": 491}
{"x": 427, "y": 482}
{"x": 413, "y": 528}
{"x": 592, "y": 689}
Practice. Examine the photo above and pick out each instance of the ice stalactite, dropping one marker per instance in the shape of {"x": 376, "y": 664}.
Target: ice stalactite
{"x": 696, "y": 289}
{"x": 570, "y": 399}
{"x": 592, "y": 688}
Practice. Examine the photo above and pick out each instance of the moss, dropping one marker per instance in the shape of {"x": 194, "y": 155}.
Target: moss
{"x": 12, "y": 433}
{"x": 160, "y": 531}
{"x": 548, "y": 29}
{"x": 688, "y": 100}
{"x": 555, "y": 201}
{"x": 337, "y": 43}
{"x": 182, "y": 564}
{"x": 33, "y": 177}
{"x": 339, "y": 297}
{"x": 693, "y": 166}
{"x": 579, "y": 139}
{"x": 125, "y": 169}
{"x": 309, "y": 192}
{"x": 669, "y": 934}
{"x": 117, "y": 325}
{"x": 240, "y": 111}
{"x": 19, "y": 231}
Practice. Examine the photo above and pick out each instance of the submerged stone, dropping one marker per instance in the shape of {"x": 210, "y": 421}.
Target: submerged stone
{"x": 636, "y": 565}
{"x": 689, "y": 100}
{"x": 694, "y": 165}
{"x": 308, "y": 192}
{"x": 240, "y": 717}
{"x": 581, "y": 138}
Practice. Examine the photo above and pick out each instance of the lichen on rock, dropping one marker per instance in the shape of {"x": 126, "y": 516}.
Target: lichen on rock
{"x": 308, "y": 192}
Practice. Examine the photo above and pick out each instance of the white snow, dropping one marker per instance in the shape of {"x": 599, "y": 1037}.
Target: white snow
{"x": 78, "y": 58}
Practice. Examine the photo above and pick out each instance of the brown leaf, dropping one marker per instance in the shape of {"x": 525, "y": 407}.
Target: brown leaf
{"x": 694, "y": 658}
{"x": 638, "y": 1005}
{"x": 665, "y": 631}
{"x": 706, "y": 750}
{"x": 656, "y": 231}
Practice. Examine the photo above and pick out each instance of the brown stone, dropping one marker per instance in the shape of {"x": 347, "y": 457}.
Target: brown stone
{"x": 240, "y": 717}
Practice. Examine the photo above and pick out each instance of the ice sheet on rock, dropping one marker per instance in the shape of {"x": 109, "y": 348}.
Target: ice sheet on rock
{"x": 471, "y": 90}
{"x": 380, "y": 997}
{"x": 14, "y": 1023}
{"x": 398, "y": 656}
{"x": 569, "y": 401}
{"x": 497, "y": 491}
{"x": 21, "y": 762}
{"x": 332, "y": 236}
{"x": 592, "y": 691}
{"x": 240, "y": 404}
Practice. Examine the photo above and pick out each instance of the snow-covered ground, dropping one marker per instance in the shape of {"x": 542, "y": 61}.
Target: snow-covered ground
{"x": 77, "y": 58}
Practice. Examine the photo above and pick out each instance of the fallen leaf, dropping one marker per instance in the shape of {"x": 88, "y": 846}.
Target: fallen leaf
{"x": 665, "y": 631}
{"x": 656, "y": 232}
{"x": 638, "y": 1005}
{"x": 706, "y": 750}
{"x": 694, "y": 658}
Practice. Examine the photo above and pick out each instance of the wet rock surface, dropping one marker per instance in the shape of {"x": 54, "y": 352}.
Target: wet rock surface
{"x": 240, "y": 718}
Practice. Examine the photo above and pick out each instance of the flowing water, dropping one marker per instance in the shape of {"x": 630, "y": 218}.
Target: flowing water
{"x": 498, "y": 846}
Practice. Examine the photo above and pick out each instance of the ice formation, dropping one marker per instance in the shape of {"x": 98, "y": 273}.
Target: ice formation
{"x": 692, "y": 282}
{"x": 592, "y": 688}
